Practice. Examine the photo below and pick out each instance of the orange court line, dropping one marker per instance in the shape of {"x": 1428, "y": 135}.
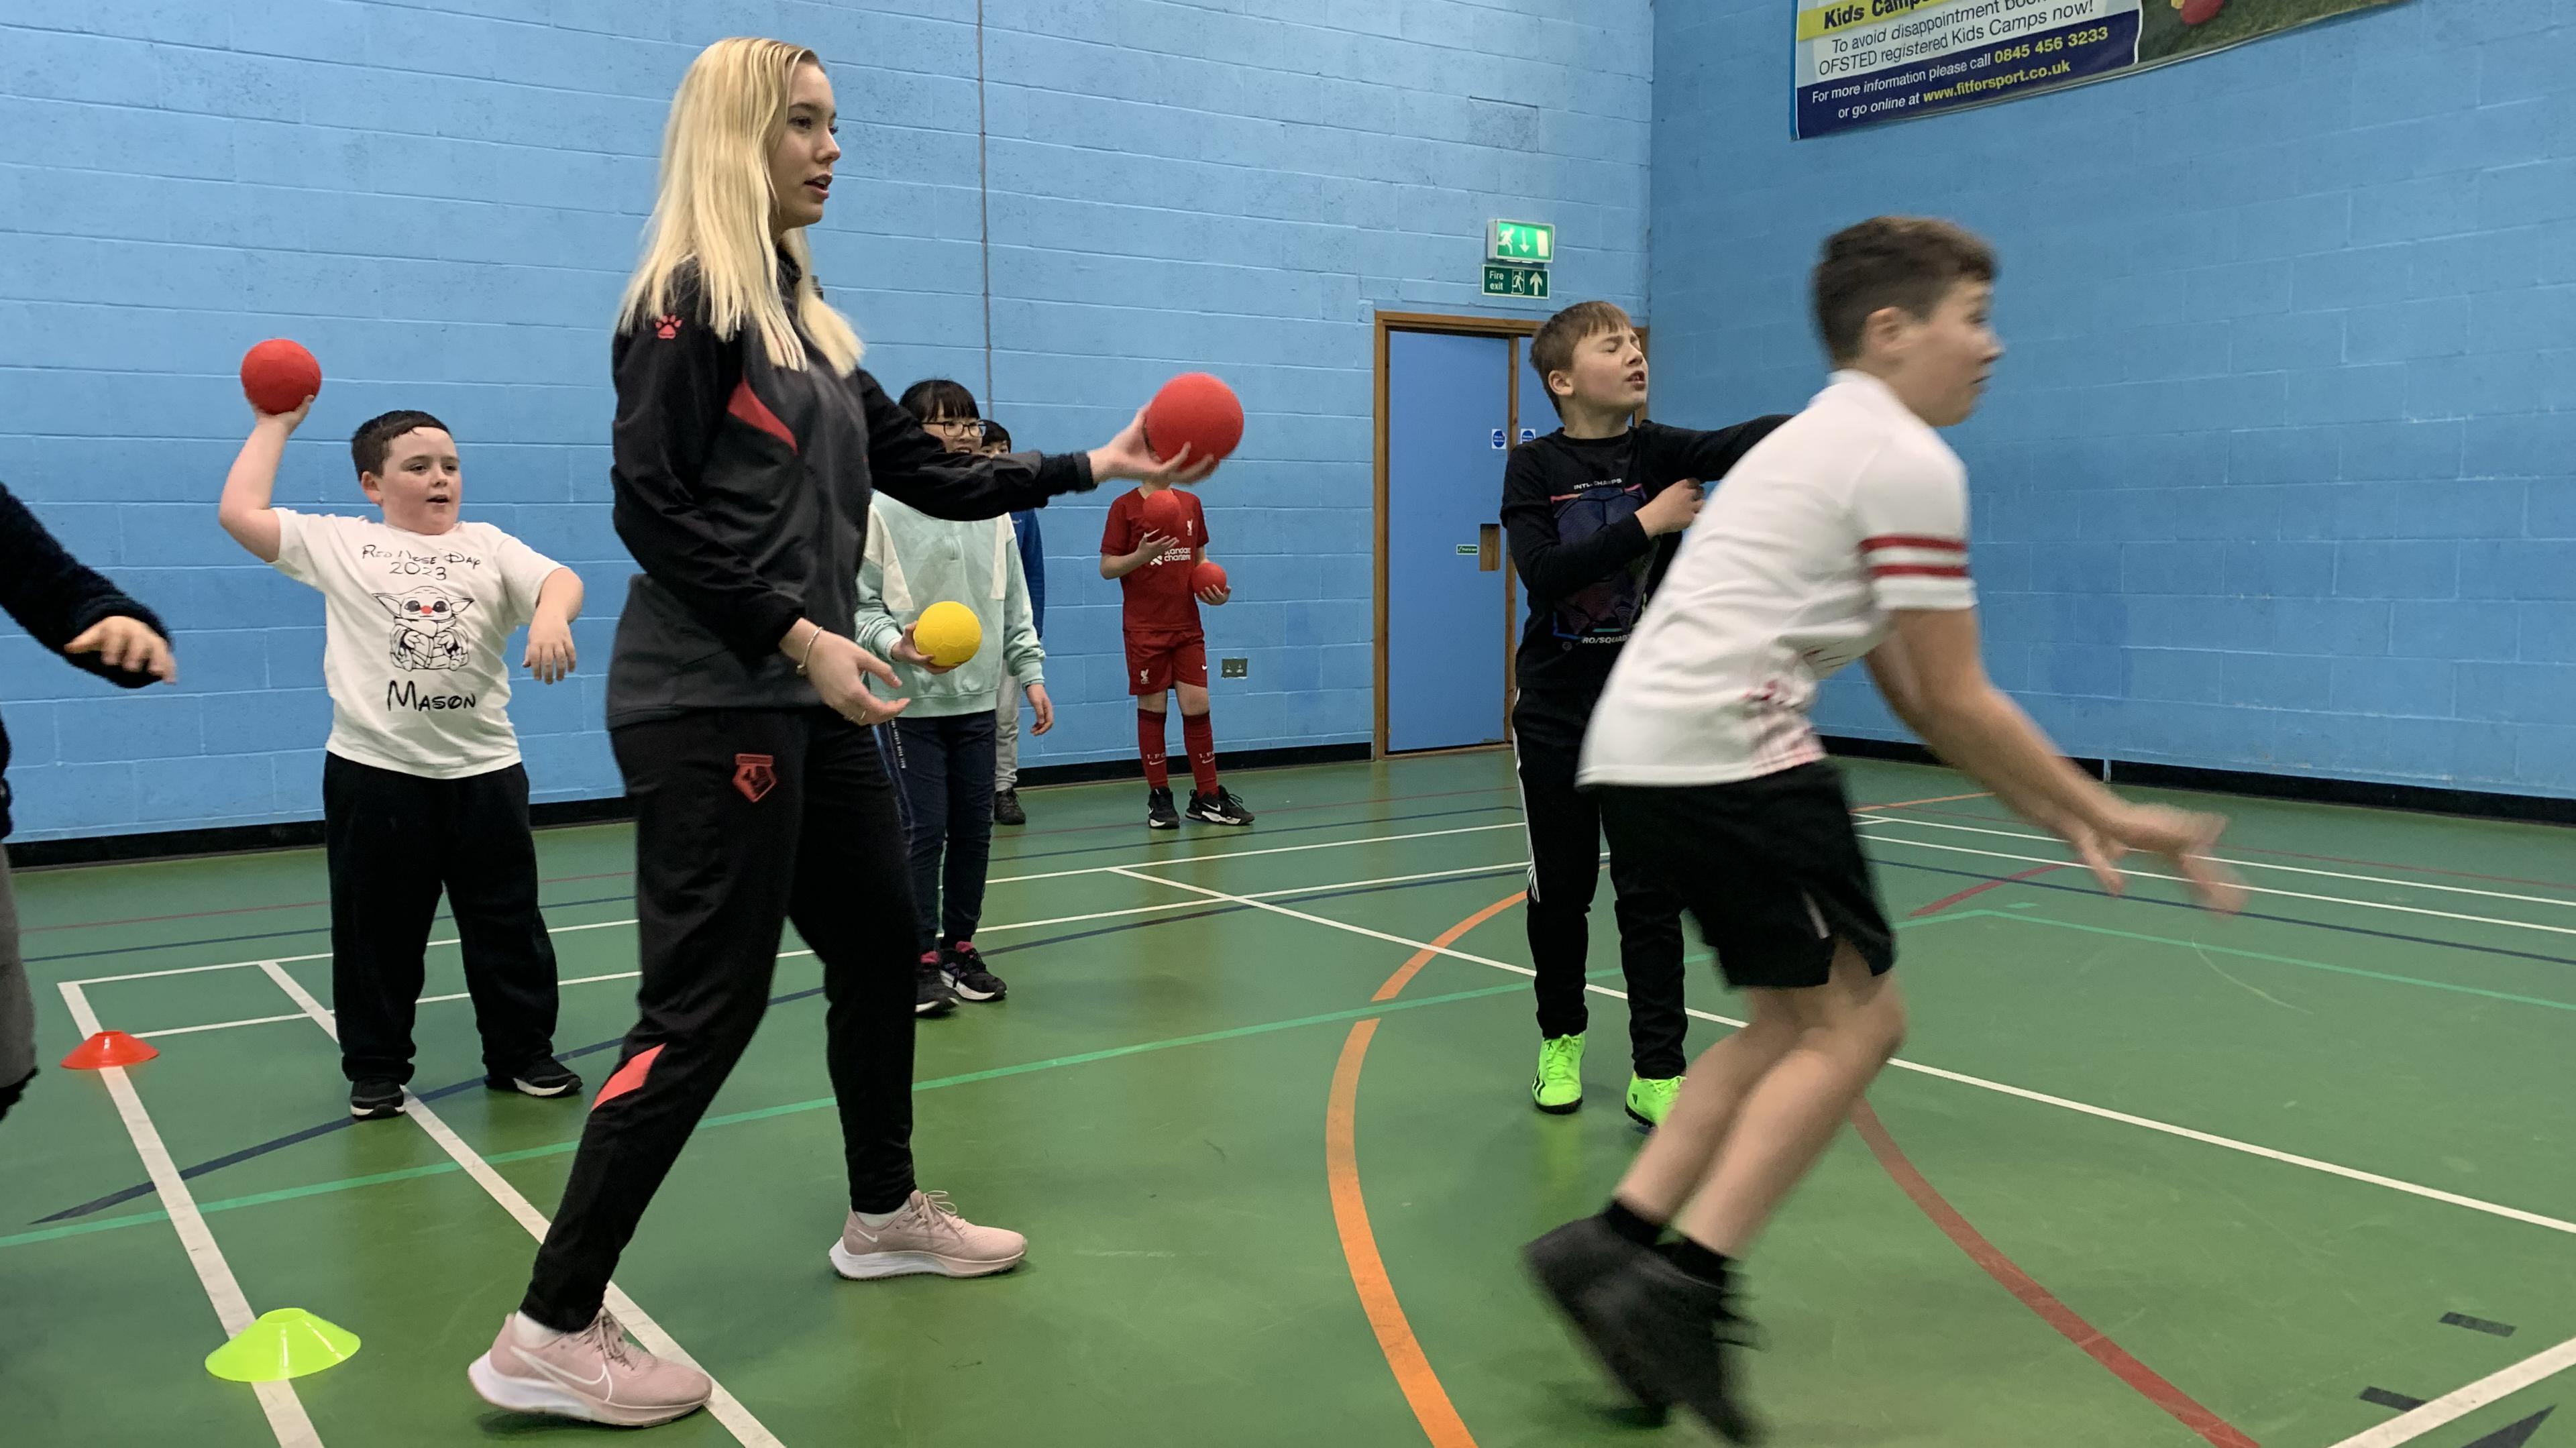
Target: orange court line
{"x": 1403, "y": 977}
{"x": 1404, "y": 1356}
{"x": 1422, "y": 1390}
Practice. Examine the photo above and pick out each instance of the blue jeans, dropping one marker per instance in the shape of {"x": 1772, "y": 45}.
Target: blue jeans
{"x": 946, "y": 766}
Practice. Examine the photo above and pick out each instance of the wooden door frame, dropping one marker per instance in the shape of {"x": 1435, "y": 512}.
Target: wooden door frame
{"x": 1516, "y": 331}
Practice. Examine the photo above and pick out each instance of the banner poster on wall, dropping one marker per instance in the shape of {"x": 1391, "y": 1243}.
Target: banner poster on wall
{"x": 1865, "y": 61}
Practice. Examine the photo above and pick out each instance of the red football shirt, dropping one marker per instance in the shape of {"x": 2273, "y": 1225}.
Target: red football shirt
{"x": 1159, "y": 599}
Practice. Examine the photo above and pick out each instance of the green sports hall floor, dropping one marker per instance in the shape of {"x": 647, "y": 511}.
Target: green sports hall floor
{"x": 2146, "y": 1177}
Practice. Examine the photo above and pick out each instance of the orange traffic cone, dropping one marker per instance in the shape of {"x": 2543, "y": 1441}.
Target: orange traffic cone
{"x": 107, "y": 1048}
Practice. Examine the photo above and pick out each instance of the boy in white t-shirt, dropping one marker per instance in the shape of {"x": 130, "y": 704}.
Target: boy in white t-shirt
{"x": 1843, "y": 535}
{"x": 422, "y": 788}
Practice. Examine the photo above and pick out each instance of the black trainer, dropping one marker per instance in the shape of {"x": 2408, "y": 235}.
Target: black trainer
{"x": 544, "y": 1077}
{"x": 377, "y": 1100}
{"x": 1570, "y": 1263}
{"x": 1006, "y": 808}
{"x": 1220, "y": 808}
{"x": 1159, "y": 814}
{"x": 964, "y": 965}
{"x": 1679, "y": 1335}
{"x": 930, "y": 993}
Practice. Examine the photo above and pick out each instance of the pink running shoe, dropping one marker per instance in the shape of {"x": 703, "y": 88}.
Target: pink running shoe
{"x": 926, "y": 1236}
{"x": 594, "y": 1375}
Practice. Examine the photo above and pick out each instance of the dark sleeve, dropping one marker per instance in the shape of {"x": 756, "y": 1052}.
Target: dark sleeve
{"x": 1548, "y": 567}
{"x": 54, "y": 598}
{"x": 1674, "y": 453}
{"x": 1033, "y": 564}
{"x": 905, "y": 463}
{"x": 673, "y": 382}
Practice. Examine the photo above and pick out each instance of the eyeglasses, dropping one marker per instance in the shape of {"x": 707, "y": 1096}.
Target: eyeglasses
{"x": 957, "y": 426}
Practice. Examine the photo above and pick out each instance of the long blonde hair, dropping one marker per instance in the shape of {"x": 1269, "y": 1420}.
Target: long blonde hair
{"x": 713, "y": 208}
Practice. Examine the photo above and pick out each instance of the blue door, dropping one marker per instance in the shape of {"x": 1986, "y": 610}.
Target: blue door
{"x": 1448, "y": 432}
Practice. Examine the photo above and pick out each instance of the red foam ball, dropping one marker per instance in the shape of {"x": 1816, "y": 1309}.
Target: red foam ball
{"x": 1208, "y": 574}
{"x": 1196, "y": 411}
{"x": 1163, "y": 512}
{"x": 277, "y": 375}
{"x": 2201, "y": 12}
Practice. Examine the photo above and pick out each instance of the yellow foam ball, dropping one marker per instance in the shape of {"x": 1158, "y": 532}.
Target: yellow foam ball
{"x": 949, "y": 633}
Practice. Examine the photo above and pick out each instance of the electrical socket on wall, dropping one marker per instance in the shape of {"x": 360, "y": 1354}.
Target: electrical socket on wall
{"x": 1234, "y": 668}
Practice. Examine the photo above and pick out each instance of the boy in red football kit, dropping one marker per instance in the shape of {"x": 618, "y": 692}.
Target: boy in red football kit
{"x": 1167, "y": 650}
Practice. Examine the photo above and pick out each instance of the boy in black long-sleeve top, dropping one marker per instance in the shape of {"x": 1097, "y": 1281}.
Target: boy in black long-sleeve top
{"x": 90, "y": 622}
{"x": 1594, "y": 510}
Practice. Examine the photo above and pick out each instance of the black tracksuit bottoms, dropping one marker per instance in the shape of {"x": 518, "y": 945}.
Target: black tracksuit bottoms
{"x": 744, "y": 819}
{"x": 1565, "y": 870}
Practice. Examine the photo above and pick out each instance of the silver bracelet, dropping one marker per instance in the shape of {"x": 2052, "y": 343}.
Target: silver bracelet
{"x": 811, "y": 640}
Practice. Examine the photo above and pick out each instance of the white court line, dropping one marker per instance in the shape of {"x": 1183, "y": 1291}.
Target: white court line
{"x": 2461, "y": 1402}
{"x": 2249, "y": 864}
{"x": 2136, "y": 874}
{"x": 286, "y": 1416}
{"x": 228, "y": 1025}
{"x": 999, "y": 880}
{"x": 985, "y": 930}
{"x": 721, "y": 1405}
{"x": 2492, "y": 1209}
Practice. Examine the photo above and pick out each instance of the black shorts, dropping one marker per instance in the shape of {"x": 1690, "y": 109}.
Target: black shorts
{"x": 1770, "y": 868}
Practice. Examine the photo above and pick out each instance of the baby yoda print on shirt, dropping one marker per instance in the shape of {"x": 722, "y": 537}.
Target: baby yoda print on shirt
{"x": 415, "y": 637}
{"x": 425, "y": 632}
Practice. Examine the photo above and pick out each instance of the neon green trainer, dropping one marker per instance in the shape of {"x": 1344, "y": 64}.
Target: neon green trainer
{"x": 1558, "y": 1087}
{"x": 1649, "y": 1099}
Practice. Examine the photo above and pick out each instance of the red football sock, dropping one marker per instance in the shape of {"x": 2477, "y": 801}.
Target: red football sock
{"x": 1198, "y": 733}
{"x": 1149, "y": 747}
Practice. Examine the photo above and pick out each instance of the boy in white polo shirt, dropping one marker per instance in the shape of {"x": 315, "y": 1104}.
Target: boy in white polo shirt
{"x": 1843, "y": 535}
{"x": 422, "y": 788}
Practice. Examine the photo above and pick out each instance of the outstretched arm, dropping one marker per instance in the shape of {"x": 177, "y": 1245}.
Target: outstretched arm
{"x": 72, "y": 609}
{"x": 247, "y": 511}
{"x": 1932, "y": 676}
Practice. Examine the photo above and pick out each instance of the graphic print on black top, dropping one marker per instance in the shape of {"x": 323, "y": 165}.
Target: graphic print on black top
{"x": 1605, "y": 610}
{"x": 425, "y": 632}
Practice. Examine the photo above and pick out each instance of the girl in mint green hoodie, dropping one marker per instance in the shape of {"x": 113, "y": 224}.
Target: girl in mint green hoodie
{"x": 943, "y": 743}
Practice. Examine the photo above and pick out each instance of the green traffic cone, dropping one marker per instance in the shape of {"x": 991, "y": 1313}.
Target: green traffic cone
{"x": 287, "y": 1343}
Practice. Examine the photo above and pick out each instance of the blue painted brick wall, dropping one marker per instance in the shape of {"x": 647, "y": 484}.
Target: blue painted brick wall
{"x": 2277, "y": 476}
{"x": 442, "y": 200}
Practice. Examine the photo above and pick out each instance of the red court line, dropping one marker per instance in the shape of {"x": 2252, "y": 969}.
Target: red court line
{"x": 1973, "y": 891}
{"x": 2298, "y": 855}
{"x": 2088, "y": 1338}
{"x": 2024, "y": 1287}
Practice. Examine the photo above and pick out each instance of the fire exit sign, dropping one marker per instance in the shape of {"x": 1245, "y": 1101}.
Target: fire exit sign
{"x": 1526, "y": 241}
{"x": 1504, "y": 279}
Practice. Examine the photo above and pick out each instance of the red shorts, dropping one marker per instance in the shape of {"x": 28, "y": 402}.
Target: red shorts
{"x": 1157, "y": 661}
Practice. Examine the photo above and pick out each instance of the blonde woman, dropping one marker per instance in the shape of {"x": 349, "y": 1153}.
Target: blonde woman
{"x": 746, "y": 445}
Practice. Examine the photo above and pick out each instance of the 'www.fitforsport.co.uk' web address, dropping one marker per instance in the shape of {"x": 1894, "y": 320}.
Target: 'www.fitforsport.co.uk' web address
{"x": 1998, "y": 82}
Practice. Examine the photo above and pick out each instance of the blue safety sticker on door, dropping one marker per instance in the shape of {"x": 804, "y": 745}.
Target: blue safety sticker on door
{"x": 1501, "y": 438}
{"x": 1529, "y": 434}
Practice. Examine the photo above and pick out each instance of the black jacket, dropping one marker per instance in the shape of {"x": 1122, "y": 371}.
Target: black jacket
{"x": 56, "y": 600}
{"x": 1570, "y": 508}
{"x": 742, "y": 488}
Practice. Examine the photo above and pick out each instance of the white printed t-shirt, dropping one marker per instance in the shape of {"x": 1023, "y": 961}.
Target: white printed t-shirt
{"x": 413, "y": 632}
{"x": 1853, "y": 508}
